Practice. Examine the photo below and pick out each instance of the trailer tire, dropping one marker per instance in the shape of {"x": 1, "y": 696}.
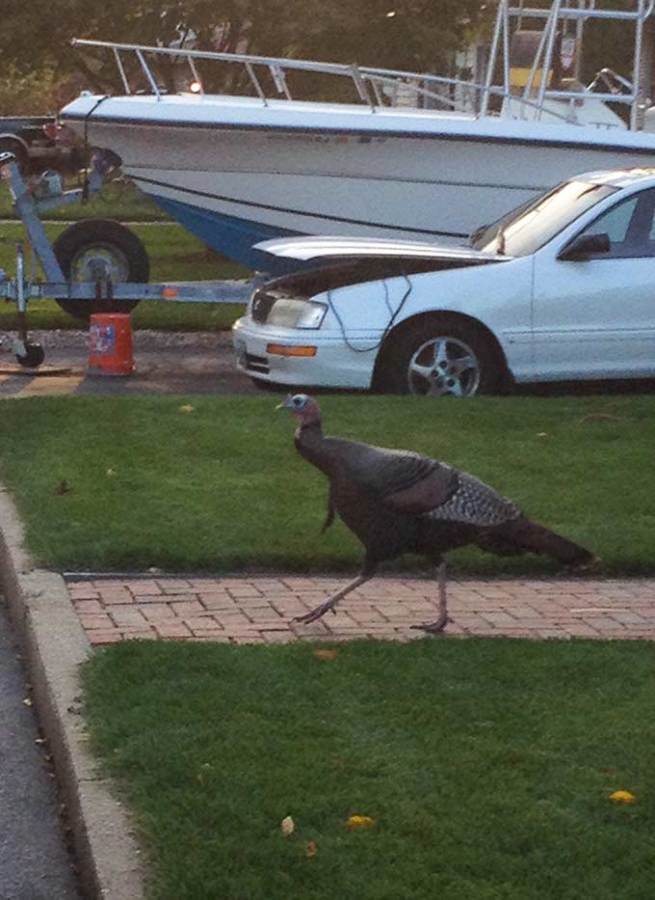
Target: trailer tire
{"x": 19, "y": 149}
{"x": 103, "y": 244}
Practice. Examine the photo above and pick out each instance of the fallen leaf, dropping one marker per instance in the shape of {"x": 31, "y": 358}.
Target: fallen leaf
{"x": 27, "y": 702}
{"x": 355, "y": 822}
{"x": 311, "y": 849}
{"x": 186, "y": 408}
{"x": 63, "y": 487}
{"x": 110, "y": 473}
{"x": 327, "y": 655}
{"x": 288, "y": 826}
{"x": 542, "y": 434}
{"x": 205, "y": 769}
{"x": 623, "y": 797}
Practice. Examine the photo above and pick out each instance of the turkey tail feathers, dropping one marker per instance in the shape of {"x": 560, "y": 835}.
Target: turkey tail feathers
{"x": 525, "y": 534}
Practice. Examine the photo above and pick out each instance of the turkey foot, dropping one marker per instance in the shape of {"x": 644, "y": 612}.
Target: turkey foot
{"x": 443, "y": 618}
{"x": 317, "y": 613}
{"x": 332, "y": 601}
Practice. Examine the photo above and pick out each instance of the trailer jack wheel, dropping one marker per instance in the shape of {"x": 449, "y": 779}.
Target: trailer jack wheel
{"x": 32, "y": 357}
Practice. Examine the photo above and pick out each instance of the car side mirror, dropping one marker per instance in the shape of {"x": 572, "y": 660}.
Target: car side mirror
{"x": 584, "y": 246}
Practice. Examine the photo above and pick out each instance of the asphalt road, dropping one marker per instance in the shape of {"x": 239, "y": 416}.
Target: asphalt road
{"x": 165, "y": 363}
{"x": 34, "y": 862}
{"x": 186, "y": 363}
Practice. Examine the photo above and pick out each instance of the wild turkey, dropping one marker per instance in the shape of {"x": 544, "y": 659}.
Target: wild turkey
{"x": 397, "y": 501}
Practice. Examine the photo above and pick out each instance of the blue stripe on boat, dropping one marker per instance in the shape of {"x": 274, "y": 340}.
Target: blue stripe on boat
{"x": 230, "y": 236}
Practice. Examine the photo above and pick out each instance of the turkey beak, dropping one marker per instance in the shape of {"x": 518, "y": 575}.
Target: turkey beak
{"x": 286, "y": 404}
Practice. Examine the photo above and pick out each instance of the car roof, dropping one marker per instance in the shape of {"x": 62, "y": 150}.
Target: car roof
{"x": 619, "y": 178}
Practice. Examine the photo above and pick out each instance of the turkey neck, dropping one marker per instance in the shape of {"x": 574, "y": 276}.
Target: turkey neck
{"x": 310, "y": 443}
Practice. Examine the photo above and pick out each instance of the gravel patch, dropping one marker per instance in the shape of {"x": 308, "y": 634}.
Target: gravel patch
{"x": 66, "y": 339}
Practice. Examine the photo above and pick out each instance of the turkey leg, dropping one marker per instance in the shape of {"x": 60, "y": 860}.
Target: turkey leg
{"x": 442, "y": 620}
{"x": 332, "y": 601}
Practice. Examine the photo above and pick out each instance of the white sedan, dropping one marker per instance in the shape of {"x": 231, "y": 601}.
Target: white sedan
{"x": 561, "y": 289}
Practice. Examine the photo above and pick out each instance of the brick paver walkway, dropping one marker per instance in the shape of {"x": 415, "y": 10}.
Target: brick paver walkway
{"x": 260, "y": 609}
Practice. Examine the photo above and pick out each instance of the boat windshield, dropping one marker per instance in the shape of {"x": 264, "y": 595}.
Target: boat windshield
{"x": 527, "y": 228}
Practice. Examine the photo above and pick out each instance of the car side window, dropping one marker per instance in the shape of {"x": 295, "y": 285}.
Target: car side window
{"x": 615, "y": 223}
{"x": 630, "y": 227}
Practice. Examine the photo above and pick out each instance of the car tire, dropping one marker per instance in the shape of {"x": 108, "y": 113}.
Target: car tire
{"x": 442, "y": 356}
{"x": 9, "y": 145}
{"x": 103, "y": 243}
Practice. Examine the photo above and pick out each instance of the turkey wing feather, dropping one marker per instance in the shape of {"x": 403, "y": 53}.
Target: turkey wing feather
{"x": 404, "y": 481}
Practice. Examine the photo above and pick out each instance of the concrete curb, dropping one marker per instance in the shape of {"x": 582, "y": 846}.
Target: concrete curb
{"x": 55, "y": 645}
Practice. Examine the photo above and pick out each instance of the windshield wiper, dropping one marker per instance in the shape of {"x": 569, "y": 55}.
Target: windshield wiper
{"x": 475, "y": 236}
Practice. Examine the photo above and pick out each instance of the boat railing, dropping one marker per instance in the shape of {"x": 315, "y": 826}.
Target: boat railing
{"x": 368, "y": 82}
{"x": 374, "y": 87}
{"x": 586, "y": 9}
{"x": 558, "y": 18}
{"x": 614, "y": 82}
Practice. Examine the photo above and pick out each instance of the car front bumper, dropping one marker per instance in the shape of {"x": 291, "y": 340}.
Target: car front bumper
{"x": 335, "y": 363}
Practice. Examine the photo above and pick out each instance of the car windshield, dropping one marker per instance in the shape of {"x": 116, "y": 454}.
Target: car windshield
{"x": 526, "y": 229}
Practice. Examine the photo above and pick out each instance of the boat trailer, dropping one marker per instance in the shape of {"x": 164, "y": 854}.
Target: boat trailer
{"x": 93, "y": 279}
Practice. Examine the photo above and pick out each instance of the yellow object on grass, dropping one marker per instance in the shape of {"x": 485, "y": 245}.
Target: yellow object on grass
{"x": 623, "y": 797}
{"x": 355, "y": 822}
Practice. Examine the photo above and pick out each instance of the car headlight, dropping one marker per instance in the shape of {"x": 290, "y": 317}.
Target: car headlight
{"x": 290, "y": 313}
{"x": 312, "y": 315}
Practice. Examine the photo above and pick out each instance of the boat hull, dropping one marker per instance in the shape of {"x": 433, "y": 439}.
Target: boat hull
{"x": 235, "y": 176}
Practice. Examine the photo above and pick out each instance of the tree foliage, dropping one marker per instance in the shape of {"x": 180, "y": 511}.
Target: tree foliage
{"x": 407, "y": 34}
{"x": 42, "y": 71}
{"x": 23, "y": 93}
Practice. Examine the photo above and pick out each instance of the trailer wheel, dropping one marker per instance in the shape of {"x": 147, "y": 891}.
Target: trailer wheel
{"x": 96, "y": 249}
{"x": 33, "y": 356}
{"x": 11, "y": 145}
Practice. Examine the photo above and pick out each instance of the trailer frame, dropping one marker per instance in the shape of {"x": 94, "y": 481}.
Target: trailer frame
{"x": 47, "y": 193}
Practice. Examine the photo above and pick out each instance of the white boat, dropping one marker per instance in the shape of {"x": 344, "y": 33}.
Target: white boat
{"x": 239, "y": 169}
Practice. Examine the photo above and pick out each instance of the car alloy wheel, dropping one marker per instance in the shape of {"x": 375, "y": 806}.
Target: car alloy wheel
{"x": 444, "y": 366}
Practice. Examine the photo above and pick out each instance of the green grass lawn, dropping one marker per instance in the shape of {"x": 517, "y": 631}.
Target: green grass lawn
{"x": 175, "y": 255}
{"x": 486, "y": 765}
{"x": 221, "y": 488}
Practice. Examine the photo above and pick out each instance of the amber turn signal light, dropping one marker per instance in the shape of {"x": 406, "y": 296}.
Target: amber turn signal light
{"x": 287, "y": 350}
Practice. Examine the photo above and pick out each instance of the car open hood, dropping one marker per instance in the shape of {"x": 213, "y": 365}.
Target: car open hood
{"x": 331, "y": 249}
{"x": 326, "y": 263}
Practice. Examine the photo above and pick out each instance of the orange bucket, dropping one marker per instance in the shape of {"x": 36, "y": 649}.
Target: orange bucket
{"x": 110, "y": 344}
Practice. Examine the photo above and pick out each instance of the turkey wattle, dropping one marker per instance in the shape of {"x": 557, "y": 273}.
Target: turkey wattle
{"x": 397, "y": 501}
